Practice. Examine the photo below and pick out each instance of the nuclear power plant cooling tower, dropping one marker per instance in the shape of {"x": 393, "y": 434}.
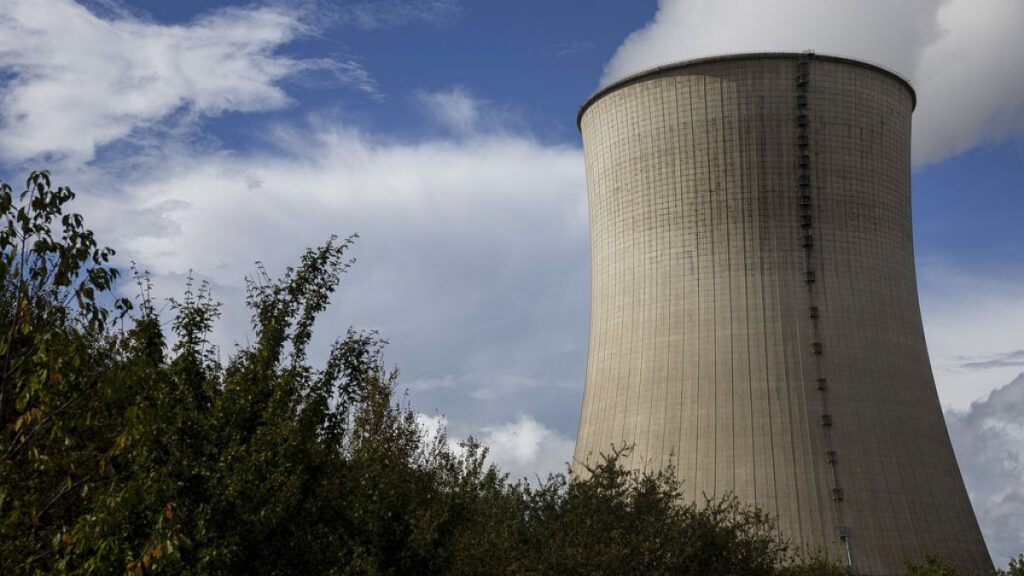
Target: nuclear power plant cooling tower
{"x": 755, "y": 319}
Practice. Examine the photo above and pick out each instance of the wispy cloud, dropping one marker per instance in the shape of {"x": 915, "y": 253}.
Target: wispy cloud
{"x": 113, "y": 9}
{"x": 393, "y": 13}
{"x": 73, "y": 81}
{"x": 1004, "y": 360}
{"x": 989, "y": 442}
{"x": 462, "y": 114}
{"x": 492, "y": 386}
{"x": 455, "y": 109}
{"x": 574, "y": 48}
{"x": 348, "y": 72}
{"x": 963, "y": 56}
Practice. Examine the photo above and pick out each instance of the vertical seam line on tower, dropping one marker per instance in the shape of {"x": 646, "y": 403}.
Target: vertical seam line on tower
{"x": 696, "y": 227}
{"x": 714, "y": 294}
{"x": 671, "y": 284}
{"x": 724, "y": 194}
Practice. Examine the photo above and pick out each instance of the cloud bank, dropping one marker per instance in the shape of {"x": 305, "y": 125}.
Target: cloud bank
{"x": 963, "y": 56}
{"x": 989, "y": 441}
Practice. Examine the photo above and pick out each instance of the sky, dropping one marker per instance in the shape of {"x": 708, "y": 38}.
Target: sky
{"x": 205, "y": 135}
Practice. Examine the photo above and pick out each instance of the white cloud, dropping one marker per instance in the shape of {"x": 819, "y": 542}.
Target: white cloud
{"x": 526, "y": 448}
{"x": 989, "y": 441}
{"x": 522, "y": 448}
{"x": 455, "y": 109}
{"x": 432, "y": 383}
{"x": 77, "y": 81}
{"x": 492, "y": 200}
{"x": 963, "y": 56}
{"x": 971, "y": 81}
{"x": 434, "y": 427}
{"x": 1013, "y": 358}
{"x": 876, "y": 30}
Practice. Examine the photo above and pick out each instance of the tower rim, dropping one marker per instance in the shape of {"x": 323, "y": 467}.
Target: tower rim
{"x": 655, "y": 70}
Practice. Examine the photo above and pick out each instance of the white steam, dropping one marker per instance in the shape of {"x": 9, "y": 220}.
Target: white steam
{"x": 964, "y": 57}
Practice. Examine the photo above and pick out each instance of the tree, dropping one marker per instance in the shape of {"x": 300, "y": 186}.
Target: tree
{"x": 53, "y": 424}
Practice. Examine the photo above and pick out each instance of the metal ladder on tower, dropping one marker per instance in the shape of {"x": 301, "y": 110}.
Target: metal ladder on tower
{"x": 806, "y": 203}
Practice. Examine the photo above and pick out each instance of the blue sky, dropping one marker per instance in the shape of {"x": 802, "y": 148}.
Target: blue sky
{"x": 206, "y": 135}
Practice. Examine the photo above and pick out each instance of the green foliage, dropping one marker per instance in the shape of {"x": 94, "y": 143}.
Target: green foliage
{"x": 815, "y": 566}
{"x": 615, "y": 521}
{"x": 54, "y": 426}
{"x": 127, "y": 450}
{"x": 930, "y": 566}
{"x": 1016, "y": 567}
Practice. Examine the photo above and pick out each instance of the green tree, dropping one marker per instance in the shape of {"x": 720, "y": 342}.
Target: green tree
{"x": 54, "y": 420}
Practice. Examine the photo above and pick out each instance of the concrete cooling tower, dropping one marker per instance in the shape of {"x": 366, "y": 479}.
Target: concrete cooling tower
{"x": 755, "y": 319}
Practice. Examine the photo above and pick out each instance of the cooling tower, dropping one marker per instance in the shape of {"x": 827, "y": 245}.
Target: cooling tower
{"x": 755, "y": 319}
